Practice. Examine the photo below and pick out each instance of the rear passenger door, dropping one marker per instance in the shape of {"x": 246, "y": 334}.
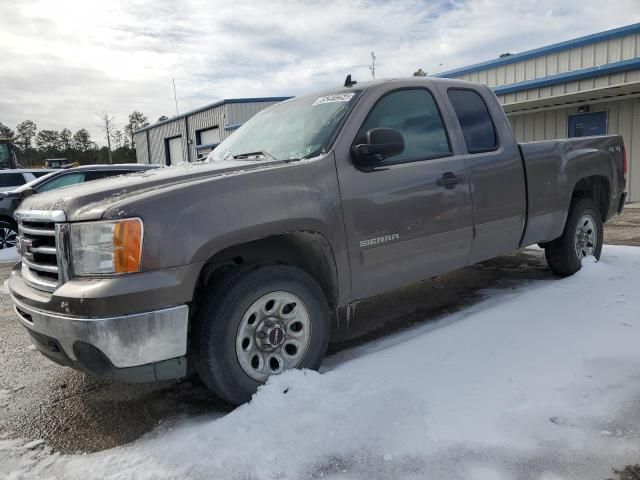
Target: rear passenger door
{"x": 496, "y": 172}
{"x": 409, "y": 217}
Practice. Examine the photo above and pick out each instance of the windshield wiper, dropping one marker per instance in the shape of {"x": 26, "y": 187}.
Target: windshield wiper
{"x": 254, "y": 155}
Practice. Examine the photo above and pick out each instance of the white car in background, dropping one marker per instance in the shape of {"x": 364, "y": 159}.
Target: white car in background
{"x": 16, "y": 177}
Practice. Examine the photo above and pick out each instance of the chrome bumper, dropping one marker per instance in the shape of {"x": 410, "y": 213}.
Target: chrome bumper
{"x": 127, "y": 341}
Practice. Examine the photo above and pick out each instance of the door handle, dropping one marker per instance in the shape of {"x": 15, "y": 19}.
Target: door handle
{"x": 448, "y": 180}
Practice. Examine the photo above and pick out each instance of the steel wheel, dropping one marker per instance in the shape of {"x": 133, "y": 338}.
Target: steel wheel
{"x": 273, "y": 335}
{"x": 586, "y": 236}
{"x": 7, "y": 237}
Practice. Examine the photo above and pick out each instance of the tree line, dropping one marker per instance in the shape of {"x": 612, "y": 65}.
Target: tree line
{"x": 34, "y": 146}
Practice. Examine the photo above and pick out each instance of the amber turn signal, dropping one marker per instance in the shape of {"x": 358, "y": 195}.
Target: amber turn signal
{"x": 127, "y": 246}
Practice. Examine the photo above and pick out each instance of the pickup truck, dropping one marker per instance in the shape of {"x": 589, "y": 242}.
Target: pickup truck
{"x": 239, "y": 267}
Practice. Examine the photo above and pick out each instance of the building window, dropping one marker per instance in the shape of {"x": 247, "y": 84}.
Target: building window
{"x": 587, "y": 124}
{"x": 206, "y": 140}
{"x": 475, "y": 120}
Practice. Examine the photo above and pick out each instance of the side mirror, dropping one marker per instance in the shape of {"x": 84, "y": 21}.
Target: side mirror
{"x": 381, "y": 143}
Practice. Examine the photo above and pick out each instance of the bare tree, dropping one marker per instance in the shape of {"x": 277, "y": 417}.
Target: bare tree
{"x": 118, "y": 139}
{"x": 108, "y": 126}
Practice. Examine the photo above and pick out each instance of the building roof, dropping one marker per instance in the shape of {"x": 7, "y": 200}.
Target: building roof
{"x": 571, "y": 76}
{"x": 213, "y": 105}
{"x": 556, "y": 47}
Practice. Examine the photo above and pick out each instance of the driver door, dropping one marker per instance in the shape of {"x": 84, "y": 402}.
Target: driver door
{"x": 409, "y": 217}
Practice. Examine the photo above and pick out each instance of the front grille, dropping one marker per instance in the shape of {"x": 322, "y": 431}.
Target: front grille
{"x": 38, "y": 247}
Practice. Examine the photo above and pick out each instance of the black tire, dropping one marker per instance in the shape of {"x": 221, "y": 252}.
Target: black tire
{"x": 219, "y": 316}
{"x": 8, "y": 234}
{"x": 561, "y": 253}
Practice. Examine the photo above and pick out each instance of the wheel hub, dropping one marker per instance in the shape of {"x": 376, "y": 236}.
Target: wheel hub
{"x": 586, "y": 237}
{"x": 269, "y": 334}
{"x": 273, "y": 335}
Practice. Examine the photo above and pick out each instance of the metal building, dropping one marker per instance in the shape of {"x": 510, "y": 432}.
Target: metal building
{"x": 585, "y": 86}
{"x": 192, "y": 135}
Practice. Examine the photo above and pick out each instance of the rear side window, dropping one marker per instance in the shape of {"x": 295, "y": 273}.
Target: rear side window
{"x": 11, "y": 179}
{"x": 475, "y": 121}
{"x": 97, "y": 175}
{"x": 413, "y": 113}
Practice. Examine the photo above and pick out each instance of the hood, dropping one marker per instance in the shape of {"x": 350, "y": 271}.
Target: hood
{"x": 89, "y": 200}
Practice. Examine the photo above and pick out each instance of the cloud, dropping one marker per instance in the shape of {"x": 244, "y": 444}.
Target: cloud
{"x": 64, "y": 62}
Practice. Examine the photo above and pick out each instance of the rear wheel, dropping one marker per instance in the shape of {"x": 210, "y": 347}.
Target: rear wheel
{"x": 582, "y": 237}
{"x": 259, "y": 322}
{"x": 8, "y": 235}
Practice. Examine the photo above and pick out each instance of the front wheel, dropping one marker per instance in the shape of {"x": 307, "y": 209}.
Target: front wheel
{"x": 261, "y": 321}
{"x": 8, "y": 235}
{"x": 582, "y": 237}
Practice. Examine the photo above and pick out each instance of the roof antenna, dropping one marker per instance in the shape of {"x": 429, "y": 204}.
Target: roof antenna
{"x": 348, "y": 82}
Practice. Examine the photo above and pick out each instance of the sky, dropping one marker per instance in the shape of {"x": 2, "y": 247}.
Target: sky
{"x": 64, "y": 62}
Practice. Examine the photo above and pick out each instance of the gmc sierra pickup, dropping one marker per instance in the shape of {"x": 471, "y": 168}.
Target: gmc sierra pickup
{"x": 236, "y": 267}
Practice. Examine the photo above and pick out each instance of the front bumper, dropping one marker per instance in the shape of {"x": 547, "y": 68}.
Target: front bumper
{"x": 139, "y": 347}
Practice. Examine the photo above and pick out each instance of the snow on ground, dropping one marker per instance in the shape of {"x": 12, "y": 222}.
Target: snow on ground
{"x": 540, "y": 382}
{"x": 9, "y": 255}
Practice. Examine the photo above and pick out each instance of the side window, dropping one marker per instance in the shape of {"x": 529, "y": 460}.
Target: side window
{"x": 413, "y": 113}
{"x": 11, "y": 179}
{"x": 61, "y": 181}
{"x": 98, "y": 174}
{"x": 108, "y": 174}
{"x": 475, "y": 120}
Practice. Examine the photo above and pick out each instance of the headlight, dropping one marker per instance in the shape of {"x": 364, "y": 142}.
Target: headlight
{"x": 106, "y": 247}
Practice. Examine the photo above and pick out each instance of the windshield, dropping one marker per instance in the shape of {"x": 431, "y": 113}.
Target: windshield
{"x": 295, "y": 129}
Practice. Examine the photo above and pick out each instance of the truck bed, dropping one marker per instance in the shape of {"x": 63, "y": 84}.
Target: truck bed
{"x": 553, "y": 169}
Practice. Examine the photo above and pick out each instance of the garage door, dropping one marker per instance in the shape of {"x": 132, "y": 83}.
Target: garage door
{"x": 175, "y": 150}
{"x": 210, "y": 136}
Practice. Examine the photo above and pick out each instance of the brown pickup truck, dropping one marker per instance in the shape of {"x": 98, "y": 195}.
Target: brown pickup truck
{"x": 236, "y": 267}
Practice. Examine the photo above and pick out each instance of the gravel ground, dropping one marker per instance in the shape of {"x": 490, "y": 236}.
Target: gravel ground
{"x": 73, "y": 412}
{"x": 625, "y": 228}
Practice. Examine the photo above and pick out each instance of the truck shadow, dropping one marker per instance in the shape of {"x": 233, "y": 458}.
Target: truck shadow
{"x": 87, "y": 414}
{"x": 431, "y": 299}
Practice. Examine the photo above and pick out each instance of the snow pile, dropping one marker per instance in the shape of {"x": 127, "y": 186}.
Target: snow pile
{"x": 542, "y": 382}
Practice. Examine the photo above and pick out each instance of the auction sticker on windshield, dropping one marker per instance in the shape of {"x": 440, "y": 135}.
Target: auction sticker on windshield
{"x": 337, "y": 97}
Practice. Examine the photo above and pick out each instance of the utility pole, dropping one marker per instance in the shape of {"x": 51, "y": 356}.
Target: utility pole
{"x": 372, "y": 67}
{"x": 175, "y": 97}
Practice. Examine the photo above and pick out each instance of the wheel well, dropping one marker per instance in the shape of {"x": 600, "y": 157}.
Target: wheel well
{"x": 597, "y": 189}
{"x": 308, "y": 251}
{"x": 6, "y": 218}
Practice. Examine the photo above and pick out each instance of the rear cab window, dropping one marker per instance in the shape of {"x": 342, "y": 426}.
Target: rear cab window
{"x": 475, "y": 120}
{"x": 415, "y": 114}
